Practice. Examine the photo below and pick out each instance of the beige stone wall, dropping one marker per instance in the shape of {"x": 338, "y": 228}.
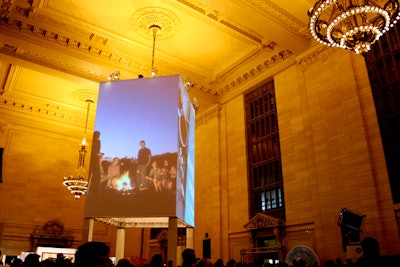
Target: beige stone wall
{"x": 331, "y": 155}
{"x": 331, "y": 152}
{"x": 221, "y": 181}
{"x": 37, "y": 155}
{"x": 207, "y": 181}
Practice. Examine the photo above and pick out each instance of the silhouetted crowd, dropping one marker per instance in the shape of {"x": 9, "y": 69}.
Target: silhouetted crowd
{"x": 96, "y": 254}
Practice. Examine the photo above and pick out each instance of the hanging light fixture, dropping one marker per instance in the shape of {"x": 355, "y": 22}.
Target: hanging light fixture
{"x": 77, "y": 183}
{"x": 352, "y": 24}
{"x": 154, "y": 29}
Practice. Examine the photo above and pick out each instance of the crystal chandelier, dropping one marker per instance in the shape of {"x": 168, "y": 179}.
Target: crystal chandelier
{"x": 77, "y": 183}
{"x": 352, "y": 24}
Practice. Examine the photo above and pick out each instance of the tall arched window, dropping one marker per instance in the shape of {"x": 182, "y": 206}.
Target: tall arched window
{"x": 263, "y": 153}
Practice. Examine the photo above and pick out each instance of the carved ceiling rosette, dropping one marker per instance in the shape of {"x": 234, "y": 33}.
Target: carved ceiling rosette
{"x": 143, "y": 19}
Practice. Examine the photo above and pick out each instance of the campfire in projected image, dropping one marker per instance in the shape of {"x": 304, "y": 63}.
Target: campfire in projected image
{"x": 123, "y": 183}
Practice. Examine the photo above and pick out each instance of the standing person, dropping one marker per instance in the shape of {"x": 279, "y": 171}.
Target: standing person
{"x": 143, "y": 161}
{"x": 124, "y": 263}
{"x": 372, "y": 257}
{"x": 93, "y": 254}
{"x": 188, "y": 257}
{"x": 204, "y": 263}
{"x": 32, "y": 260}
{"x": 156, "y": 261}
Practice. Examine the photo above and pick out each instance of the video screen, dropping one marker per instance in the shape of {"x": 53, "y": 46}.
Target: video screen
{"x": 142, "y": 159}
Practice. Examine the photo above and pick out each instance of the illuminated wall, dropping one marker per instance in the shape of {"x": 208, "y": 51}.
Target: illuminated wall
{"x": 157, "y": 111}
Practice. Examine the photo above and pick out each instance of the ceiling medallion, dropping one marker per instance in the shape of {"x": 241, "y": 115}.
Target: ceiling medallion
{"x": 81, "y": 96}
{"x": 144, "y": 18}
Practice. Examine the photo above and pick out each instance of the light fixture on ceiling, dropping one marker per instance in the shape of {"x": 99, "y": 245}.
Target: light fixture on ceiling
{"x": 154, "y": 29}
{"x": 114, "y": 76}
{"x": 352, "y": 24}
{"x": 188, "y": 82}
{"x": 77, "y": 183}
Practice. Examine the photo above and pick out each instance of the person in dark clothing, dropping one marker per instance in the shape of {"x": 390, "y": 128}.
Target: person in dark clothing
{"x": 188, "y": 257}
{"x": 156, "y": 261}
{"x": 124, "y": 263}
{"x": 93, "y": 254}
{"x": 371, "y": 255}
{"x": 143, "y": 162}
{"x": 32, "y": 260}
{"x": 16, "y": 262}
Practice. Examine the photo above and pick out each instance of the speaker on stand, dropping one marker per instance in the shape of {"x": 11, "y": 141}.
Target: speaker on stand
{"x": 350, "y": 223}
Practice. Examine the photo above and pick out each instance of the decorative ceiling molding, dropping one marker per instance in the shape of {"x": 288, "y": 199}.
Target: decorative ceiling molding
{"x": 280, "y": 16}
{"x": 5, "y": 69}
{"x": 212, "y": 112}
{"x": 24, "y": 8}
{"x": 51, "y": 111}
{"x": 49, "y": 62}
{"x": 93, "y": 46}
{"x": 36, "y": 110}
{"x": 5, "y": 7}
{"x": 4, "y": 125}
{"x": 223, "y": 20}
{"x": 318, "y": 54}
{"x": 144, "y": 18}
{"x": 252, "y": 73}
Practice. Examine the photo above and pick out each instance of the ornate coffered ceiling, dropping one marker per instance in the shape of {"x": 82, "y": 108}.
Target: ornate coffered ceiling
{"x": 53, "y": 53}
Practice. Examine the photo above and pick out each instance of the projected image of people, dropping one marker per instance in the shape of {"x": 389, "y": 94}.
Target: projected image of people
{"x": 140, "y": 168}
{"x": 143, "y": 162}
{"x": 133, "y": 175}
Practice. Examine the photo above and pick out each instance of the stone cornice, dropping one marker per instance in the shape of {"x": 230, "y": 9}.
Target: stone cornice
{"x": 3, "y": 126}
{"x": 280, "y": 16}
{"x": 223, "y": 20}
{"x": 211, "y": 113}
{"x": 93, "y": 47}
{"x": 319, "y": 53}
{"x": 276, "y": 58}
{"x": 48, "y": 110}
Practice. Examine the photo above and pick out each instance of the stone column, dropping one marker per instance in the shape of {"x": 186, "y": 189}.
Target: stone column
{"x": 172, "y": 240}
{"x": 120, "y": 244}
{"x": 189, "y": 237}
{"x": 87, "y": 233}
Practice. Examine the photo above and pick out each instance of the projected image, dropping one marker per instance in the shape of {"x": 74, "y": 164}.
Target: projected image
{"x": 128, "y": 175}
{"x": 139, "y": 165}
{"x": 185, "y": 166}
